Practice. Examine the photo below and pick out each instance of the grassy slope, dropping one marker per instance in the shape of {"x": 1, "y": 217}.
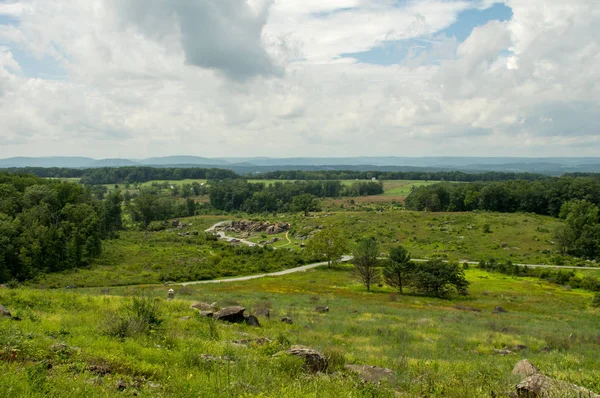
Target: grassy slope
{"x": 517, "y": 237}
{"x": 433, "y": 348}
{"x": 522, "y": 238}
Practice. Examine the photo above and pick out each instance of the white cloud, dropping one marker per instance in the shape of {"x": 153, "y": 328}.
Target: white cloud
{"x": 165, "y": 79}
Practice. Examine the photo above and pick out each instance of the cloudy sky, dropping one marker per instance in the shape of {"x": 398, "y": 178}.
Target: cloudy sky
{"x": 281, "y": 78}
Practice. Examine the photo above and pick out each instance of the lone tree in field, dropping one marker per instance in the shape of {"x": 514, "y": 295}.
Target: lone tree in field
{"x": 439, "y": 279}
{"x": 365, "y": 262}
{"x": 305, "y": 203}
{"x": 329, "y": 244}
{"x": 398, "y": 269}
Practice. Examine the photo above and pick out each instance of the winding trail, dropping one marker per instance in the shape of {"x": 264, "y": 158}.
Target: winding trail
{"x": 315, "y": 265}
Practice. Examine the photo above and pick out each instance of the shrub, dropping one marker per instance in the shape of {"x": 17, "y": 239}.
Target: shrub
{"x": 335, "y": 357}
{"x": 596, "y": 301}
{"x": 140, "y": 317}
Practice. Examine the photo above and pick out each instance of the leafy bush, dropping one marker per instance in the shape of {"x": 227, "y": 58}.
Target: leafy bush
{"x": 439, "y": 279}
{"x": 140, "y": 317}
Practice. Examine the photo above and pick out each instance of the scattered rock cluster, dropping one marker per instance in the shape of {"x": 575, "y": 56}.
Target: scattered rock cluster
{"x": 255, "y": 226}
{"x": 233, "y": 314}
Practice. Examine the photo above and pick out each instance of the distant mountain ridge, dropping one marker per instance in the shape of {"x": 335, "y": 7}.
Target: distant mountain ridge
{"x": 547, "y": 165}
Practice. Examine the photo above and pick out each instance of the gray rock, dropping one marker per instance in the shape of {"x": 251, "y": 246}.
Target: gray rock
{"x": 524, "y": 368}
{"x": 263, "y": 312}
{"x": 314, "y": 361}
{"x": 233, "y": 314}
{"x": 4, "y": 311}
{"x": 372, "y": 374}
{"x": 538, "y": 386}
{"x": 121, "y": 385}
{"x": 206, "y": 314}
{"x": 287, "y": 320}
{"x": 321, "y": 309}
{"x": 504, "y": 351}
{"x": 252, "y": 321}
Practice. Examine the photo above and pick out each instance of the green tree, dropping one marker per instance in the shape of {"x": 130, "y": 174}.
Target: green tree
{"x": 150, "y": 206}
{"x": 305, "y": 203}
{"x": 438, "y": 278}
{"x": 365, "y": 262}
{"x": 580, "y": 235}
{"x": 112, "y": 220}
{"x": 190, "y": 206}
{"x": 398, "y": 270}
{"x": 328, "y": 243}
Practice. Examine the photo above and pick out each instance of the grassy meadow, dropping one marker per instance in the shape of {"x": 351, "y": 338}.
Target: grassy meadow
{"x": 166, "y": 256}
{"x": 65, "y": 344}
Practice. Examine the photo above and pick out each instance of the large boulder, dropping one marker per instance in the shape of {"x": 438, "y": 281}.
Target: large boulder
{"x": 314, "y": 361}
{"x": 4, "y": 311}
{"x": 233, "y": 314}
{"x": 372, "y": 374}
{"x": 524, "y": 368}
{"x": 538, "y": 386}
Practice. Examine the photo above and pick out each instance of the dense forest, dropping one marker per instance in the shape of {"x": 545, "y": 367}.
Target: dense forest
{"x": 283, "y": 196}
{"x": 49, "y": 225}
{"x": 121, "y": 175}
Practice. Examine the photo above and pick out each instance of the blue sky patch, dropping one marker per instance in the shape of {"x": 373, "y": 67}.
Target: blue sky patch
{"x": 8, "y": 20}
{"x": 395, "y": 52}
{"x": 470, "y": 19}
{"x": 45, "y": 68}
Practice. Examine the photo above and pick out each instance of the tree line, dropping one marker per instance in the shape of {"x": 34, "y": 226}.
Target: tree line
{"x": 127, "y": 175}
{"x": 544, "y": 197}
{"x": 399, "y": 175}
{"x": 237, "y": 194}
{"x": 140, "y": 174}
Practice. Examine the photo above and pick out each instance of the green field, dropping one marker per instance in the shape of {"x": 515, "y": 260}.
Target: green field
{"x": 64, "y": 345}
{"x": 400, "y": 188}
{"x": 403, "y": 187}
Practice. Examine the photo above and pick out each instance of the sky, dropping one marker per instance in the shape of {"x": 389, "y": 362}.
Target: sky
{"x": 291, "y": 78}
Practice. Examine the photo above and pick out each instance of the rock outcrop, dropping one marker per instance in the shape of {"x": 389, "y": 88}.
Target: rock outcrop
{"x": 233, "y": 314}
{"x": 314, "y": 361}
